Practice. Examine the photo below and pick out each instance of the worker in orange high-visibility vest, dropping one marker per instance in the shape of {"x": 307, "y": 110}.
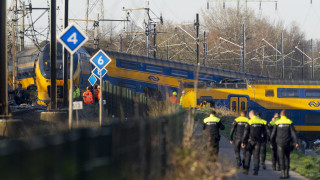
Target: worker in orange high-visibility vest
{"x": 97, "y": 93}
{"x": 174, "y": 98}
{"x": 87, "y": 96}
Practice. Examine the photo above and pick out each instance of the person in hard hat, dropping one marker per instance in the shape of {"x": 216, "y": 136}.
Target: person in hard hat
{"x": 174, "y": 98}
{"x": 97, "y": 94}
{"x": 87, "y": 96}
{"x": 181, "y": 97}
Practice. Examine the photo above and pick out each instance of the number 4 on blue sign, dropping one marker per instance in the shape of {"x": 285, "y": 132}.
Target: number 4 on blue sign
{"x": 72, "y": 38}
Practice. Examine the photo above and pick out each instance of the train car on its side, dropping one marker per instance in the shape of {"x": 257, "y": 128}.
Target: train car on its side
{"x": 152, "y": 76}
{"x": 300, "y": 98}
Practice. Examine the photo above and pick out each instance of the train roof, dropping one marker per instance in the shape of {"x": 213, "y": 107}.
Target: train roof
{"x": 182, "y": 65}
{"x": 285, "y": 81}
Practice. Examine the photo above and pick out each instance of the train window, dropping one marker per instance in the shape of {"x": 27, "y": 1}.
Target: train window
{"x": 313, "y": 93}
{"x": 243, "y": 106}
{"x": 312, "y": 119}
{"x": 154, "y": 69}
{"x": 205, "y": 77}
{"x": 290, "y": 92}
{"x": 129, "y": 65}
{"x": 128, "y": 85}
{"x": 180, "y": 73}
{"x": 269, "y": 93}
{"x": 234, "y": 106}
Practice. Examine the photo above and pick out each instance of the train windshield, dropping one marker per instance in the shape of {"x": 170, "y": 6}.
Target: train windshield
{"x": 45, "y": 64}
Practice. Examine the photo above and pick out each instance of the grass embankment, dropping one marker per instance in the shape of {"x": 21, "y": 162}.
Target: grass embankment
{"x": 307, "y": 166}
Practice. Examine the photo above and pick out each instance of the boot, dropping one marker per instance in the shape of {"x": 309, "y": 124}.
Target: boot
{"x": 264, "y": 166}
{"x": 245, "y": 171}
{"x": 273, "y": 167}
{"x": 255, "y": 173}
{"x": 287, "y": 174}
{"x": 238, "y": 164}
{"x": 282, "y": 174}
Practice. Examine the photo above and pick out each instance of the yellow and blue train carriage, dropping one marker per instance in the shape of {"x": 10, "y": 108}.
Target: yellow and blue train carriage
{"x": 25, "y": 68}
{"x": 34, "y": 70}
{"x": 153, "y": 76}
{"x": 299, "y": 98}
{"x": 81, "y": 68}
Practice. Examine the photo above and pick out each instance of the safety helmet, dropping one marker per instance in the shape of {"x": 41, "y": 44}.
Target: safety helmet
{"x": 98, "y": 87}
{"x": 183, "y": 92}
{"x": 87, "y": 87}
{"x": 174, "y": 93}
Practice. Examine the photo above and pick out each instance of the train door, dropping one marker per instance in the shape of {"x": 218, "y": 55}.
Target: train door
{"x": 238, "y": 104}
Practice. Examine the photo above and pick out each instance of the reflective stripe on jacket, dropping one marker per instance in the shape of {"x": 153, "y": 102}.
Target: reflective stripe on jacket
{"x": 211, "y": 118}
{"x": 283, "y": 120}
{"x": 87, "y": 97}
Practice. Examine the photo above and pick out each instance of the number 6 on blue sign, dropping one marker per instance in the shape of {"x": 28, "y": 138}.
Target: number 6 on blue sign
{"x": 100, "y": 60}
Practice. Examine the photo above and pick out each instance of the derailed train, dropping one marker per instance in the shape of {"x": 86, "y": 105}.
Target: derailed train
{"x": 234, "y": 90}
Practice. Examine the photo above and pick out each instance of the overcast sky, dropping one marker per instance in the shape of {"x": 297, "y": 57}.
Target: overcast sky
{"x": 305, "y": 14}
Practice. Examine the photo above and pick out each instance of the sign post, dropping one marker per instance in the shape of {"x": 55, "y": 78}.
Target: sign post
{"x": 100, "y": 60}
{"x": 72, "y": 39}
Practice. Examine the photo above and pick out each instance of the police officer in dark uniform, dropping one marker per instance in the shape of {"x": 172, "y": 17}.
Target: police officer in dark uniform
{"x": 238, "y": 128}
{"x": 282, "y": 135}
{"x": 263, "y": 145}
{"x": 274, "y": 154}
{"x": 214, "y": 123}
{"x": 251, "y": 141}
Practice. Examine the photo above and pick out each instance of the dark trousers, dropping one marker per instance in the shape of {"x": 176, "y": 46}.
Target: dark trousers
{"x": 237, "y": 149}
{"x": 284, "y": 156}
{"x": 252, "y": 148}
{"x": 263, "y": 152}
{"x": 214, "y": 147}
{"x": 274, "y": 157}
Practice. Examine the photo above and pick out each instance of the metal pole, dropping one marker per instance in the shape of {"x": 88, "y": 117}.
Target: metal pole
{"x": 154, "y": 41}
{"x": 53, "y": 56}
{"x": 22, "y": 28}
{"x": 302, "y": 59}
{"x": 70, "y": 92}
{"x": 243, "y": 48}
{"x": 167, "y": 49}
{"x": 65, "y": 58}
{"x": 276, "y": 59}
{"x": 312, "y": 75}
{"x": 291, "y": 75}
{"x": 204, "y": 48}
{"x": 120, "y": 42}
{"x": 87, "y": 15}
{"x": 101, "y": 101}
{"x": 282, "y": 58}
{"x": 197, "y": 27}
{"x": 3, "y": 60}
{"x": 14, "y": 50}
{"x": 147, "y": 22}
{"x": 96, "y": 27}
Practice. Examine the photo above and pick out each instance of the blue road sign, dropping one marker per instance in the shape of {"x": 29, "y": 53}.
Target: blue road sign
{"x": 100, "y": 60}
{"x": 96, "y": 72}
{"x": 92, "y": 80}
{"x": 72, "y": 38}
